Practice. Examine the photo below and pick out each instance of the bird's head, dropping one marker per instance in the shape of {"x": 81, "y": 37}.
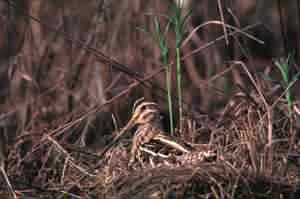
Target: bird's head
{"x": 145, "y": 112}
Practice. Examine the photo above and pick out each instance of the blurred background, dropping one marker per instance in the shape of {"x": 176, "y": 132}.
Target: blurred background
{"x": 61, "y": 58}
{"x": 74, "y": 68}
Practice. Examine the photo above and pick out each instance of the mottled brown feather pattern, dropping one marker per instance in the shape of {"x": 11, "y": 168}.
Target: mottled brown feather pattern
{"x": 149, "y": 128}
{"x": 147, "y": 118}
{"x": 144, "y": 134}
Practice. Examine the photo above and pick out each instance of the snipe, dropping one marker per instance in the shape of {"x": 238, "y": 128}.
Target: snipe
{"x": 146, "y": 117}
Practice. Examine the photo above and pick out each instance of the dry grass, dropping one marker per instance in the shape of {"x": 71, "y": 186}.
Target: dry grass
{"x": 72, "y": 70}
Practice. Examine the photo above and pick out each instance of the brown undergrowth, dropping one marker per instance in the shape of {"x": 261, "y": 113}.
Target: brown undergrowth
{"x": 241, "y": 168}
{"x": 71, "y": 71}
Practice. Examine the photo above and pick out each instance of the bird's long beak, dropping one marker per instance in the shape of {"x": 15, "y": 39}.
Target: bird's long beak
{"x": 128, "y": 126}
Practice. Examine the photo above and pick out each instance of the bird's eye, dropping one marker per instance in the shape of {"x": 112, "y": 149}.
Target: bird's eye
{"x": 143, "y": 108}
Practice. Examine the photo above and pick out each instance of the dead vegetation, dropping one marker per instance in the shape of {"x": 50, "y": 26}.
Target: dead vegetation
{"x": 72, "y": 70}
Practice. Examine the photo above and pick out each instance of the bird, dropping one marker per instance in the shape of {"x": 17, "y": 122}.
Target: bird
{"x": 146, "y": 117}
{"x": 150, "y": 128}
{"x": 137, "y": 118}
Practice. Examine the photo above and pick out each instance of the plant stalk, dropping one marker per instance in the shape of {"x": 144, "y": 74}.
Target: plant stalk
{"x": 179, "y": 91}
{"x": 170, "y": 105}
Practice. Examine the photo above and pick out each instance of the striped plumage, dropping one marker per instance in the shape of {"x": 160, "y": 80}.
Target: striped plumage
{"x": 146, "y": 117}
{"x": 150, "y": 128}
